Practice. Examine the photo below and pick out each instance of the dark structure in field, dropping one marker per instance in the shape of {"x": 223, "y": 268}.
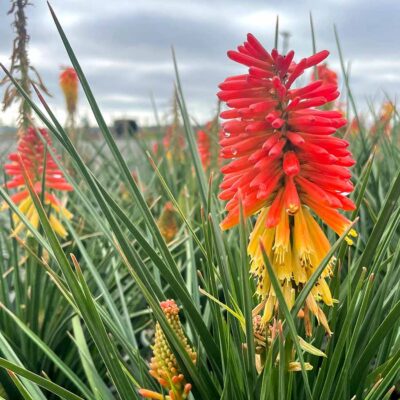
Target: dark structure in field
{"x": 125, "y": 127}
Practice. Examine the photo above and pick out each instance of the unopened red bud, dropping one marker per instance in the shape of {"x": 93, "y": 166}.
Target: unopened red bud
{"x": 162, "y": 382}
{"x": 188, "y": 388}
{"x": 292, "y": 200}
{"x": 277, "y": 123}
{"x": 291, "y": 164}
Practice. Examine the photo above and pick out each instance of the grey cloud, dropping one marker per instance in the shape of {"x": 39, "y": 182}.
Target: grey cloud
{"x": 124, "y": 46}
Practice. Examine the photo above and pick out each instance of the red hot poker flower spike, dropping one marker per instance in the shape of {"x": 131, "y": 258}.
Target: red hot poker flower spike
{"x": 164, "y": 366}
{"x": 283, "y": 163}
{"x": 32, "y": 157}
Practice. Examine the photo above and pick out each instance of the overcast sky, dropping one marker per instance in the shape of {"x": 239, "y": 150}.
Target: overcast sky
{"x": 124, "y": 46}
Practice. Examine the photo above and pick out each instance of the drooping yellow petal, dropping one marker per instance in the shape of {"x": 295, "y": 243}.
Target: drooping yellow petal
{"x": 24, "y": 206}
{"x": 63, "y": 210}
{"x": 34, "y": 219}
{"x": 321, "y": 245}
{"x": 257, "y": 232}
{"x": 284, "y": 271}
{"x": 316, "y": 233}
{"x": 57, "y": 226}
{"x": 289, "y": 294}
{"x": 28, "y": 215}
{"x": 299, "y": 271}
{"x": 312, "y": 304}
{"x": 295, "y": 366}
{"x": 319, "y": 314}
{"x": 325, "y": 292}
{"x": 263, "y": 284}
{"x": 268, "y": 309}
{"x": 301, "y": 238}
{"x": 282, "y": 239}
{"x": 267, "y": 239}
{"x": 266, "y": 236}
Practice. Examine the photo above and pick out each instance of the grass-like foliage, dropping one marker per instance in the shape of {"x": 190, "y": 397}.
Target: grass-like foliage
{"x": 78, "y": 314}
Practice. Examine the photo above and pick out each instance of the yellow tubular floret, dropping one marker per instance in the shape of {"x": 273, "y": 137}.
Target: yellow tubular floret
{"x": 295, "y": 248}
{"x": 66, "y": 213}
{"x": 57, "y": 226}
{"x": 27, "y": 208}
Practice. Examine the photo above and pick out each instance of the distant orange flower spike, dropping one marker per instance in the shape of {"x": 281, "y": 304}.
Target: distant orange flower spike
{"x": 326, "y": 74}
{"x": 203, "y": 144}
{"x": 208, "y": 148}
{"x": 167, "y": 222}
{"x": 282, "y": 151}
{"x": 383, "y": 123}
{"x": 32, "y": 157}
{"x": 170, "y": 138}
{"x": 69, "y": 85}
